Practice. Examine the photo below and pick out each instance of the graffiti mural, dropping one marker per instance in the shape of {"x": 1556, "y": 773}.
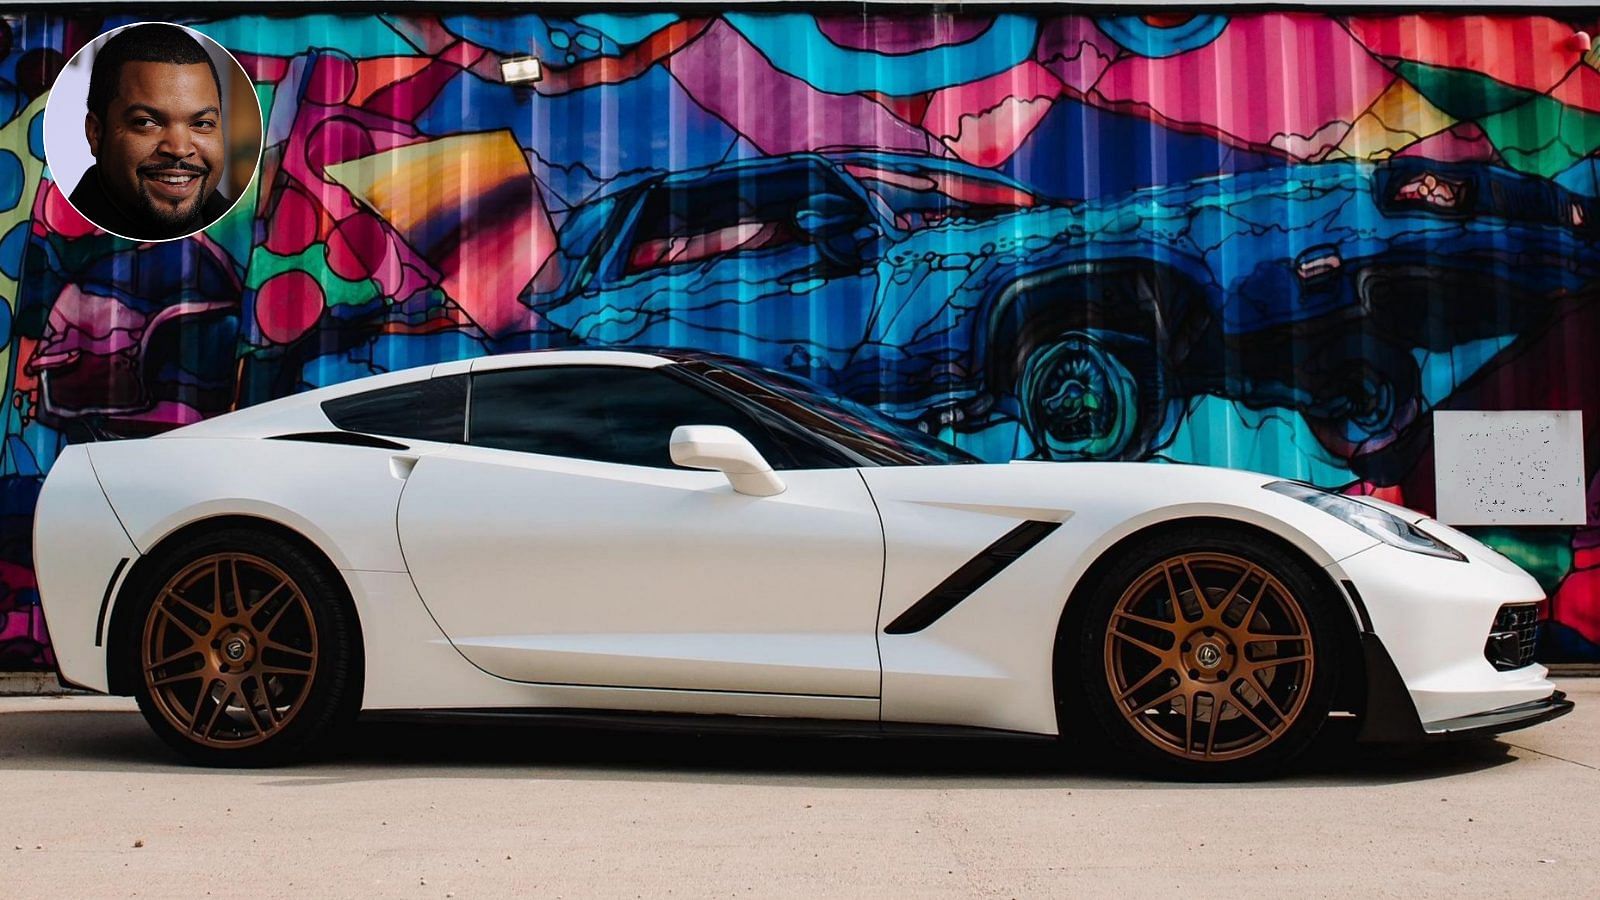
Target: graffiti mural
{"x": 1275, "y": 241}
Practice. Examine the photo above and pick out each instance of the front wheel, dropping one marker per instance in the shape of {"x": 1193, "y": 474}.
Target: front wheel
{"x": 246, "y": 653}
{"x": 1209, "y": 655}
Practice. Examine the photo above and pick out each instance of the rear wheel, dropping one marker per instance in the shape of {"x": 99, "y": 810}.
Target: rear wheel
{"x": 246, "y": 652}
{"x": 1209, "y": 655}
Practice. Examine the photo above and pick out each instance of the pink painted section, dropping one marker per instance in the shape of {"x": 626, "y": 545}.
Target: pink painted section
{"x": 81, "y": 322}
{"x": 501, "y": 246}
{"x": 985, "y": 121}
{"x": 1266, "y": 79}
{"x": 779, "y": 113}
{"x": 1576, "y": 605}
{"x": 287, "y": 305}
{"x": 1526, "y": 51}
{"x": 1076, "y": 51}
{"x": 1581, "y": 89}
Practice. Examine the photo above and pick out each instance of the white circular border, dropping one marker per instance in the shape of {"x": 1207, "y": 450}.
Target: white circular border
{"x": 261, "y": 133}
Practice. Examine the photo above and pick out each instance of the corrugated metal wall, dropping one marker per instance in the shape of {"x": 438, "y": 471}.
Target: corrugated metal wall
{"x": 1269, "y": 240}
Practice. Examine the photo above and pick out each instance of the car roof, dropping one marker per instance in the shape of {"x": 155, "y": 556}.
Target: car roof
{"x": 303, "y": 411}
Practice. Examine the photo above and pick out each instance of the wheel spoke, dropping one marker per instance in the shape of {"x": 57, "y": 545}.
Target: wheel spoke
{"x": 1169, "y": 696}
{"x": 273, "y": 622}
{"x": 266, "y": 699}
{"x": 1168, "y": 627}
{"x": 1245, "y": 711}
{"x": 1211, "y": 726}
{"x": 188, "y": 604}
{"x": 1255, "y": 683}
{"x": 1146, "y": 646}
{"x": 281, "y": 647}
{"x": 264, "y": 599}
{"x": 216, "y": 586}
{"x": 216, "y": 713}
{"x": 190, "y": 650}
{"x": 200, "y": 702}
{"x": 183, "y": 626}
{"x": 1142, "y": 683}
{"x": 238, "y": 594}
{"x": 1273, "y": 661}
{"x": 249, "y": 706}
{"x": 1195, "y": 590}
{"x": 1178, "y": 612}
{"x": 1227, "y": 599}
{"x": 1255, "y": 603}
{"x": 179, "y": 678}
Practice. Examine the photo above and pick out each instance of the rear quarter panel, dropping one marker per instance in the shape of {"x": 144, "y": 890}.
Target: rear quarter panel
{"x": 342, "y": 498}
{"x": 77, "y": 547}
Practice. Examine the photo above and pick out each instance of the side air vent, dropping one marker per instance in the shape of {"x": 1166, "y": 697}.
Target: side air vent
{"x": 973, "y": 575}
{"x": 347, "y": 438}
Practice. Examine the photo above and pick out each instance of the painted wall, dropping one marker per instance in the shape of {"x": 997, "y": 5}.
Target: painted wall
{"x": 1276, "y": 241}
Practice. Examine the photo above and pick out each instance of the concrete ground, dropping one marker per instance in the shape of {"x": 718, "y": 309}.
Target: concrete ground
{"x": 91, "y": 805}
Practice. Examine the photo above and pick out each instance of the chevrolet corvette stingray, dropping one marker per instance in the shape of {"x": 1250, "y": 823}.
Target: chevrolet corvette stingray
{"x": 673, "y": 537}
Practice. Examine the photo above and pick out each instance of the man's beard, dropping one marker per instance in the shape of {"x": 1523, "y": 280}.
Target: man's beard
{"x": 174, "y": 219}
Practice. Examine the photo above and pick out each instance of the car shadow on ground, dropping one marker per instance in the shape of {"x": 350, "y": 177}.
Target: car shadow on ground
{"x": 375, "y": 752}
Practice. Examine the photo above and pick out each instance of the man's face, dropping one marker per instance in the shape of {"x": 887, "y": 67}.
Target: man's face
{"x": 159, "y": 149}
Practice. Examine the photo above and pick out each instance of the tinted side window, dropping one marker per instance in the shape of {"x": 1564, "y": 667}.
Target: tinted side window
{"x": 603, "y": 413}
{"x": 433, "y": 409}
{"x": 717, "y": 216}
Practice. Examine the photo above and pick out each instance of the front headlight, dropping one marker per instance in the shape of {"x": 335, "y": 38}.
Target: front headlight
{"x": 1383, "y": 525}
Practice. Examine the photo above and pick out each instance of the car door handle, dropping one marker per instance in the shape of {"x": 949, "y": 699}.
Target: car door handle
{"x": 400, "y": 466}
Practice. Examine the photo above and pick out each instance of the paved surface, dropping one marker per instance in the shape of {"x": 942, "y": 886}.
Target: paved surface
{"x": 94, "y": 807}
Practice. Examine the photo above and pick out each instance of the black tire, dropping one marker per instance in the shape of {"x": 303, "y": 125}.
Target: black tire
{"x": 1254, "y": 723}
{"x": 1093, "y": 395}
{"x": 181, "y": 653}
{"x": 1366, "y": 399}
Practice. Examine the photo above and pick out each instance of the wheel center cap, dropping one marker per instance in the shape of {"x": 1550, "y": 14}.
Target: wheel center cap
{"x": 234, "y": 649}
{"x": 1209, "y": 656}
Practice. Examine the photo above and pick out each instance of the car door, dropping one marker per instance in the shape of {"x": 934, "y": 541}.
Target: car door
{"x": 561, "y": 546}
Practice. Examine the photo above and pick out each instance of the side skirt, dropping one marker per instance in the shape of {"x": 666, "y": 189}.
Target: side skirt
{"x": 691, "y": 723}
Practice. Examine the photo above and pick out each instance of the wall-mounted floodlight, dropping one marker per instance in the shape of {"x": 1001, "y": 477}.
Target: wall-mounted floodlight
{"x": 520, "y": 69}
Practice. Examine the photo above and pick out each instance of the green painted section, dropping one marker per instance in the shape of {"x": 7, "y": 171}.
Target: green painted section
{"x": 1543, "y": 136}
{"x": 313, "y": 261}
{"x": 1461, "y": 94}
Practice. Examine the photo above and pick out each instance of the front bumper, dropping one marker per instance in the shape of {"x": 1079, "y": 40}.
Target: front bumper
{"x": 1499, "y": 721}
{"x": 1390, "y": 715}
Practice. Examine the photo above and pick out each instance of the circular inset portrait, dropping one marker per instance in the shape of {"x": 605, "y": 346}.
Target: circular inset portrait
{"x": 152, "y": 131}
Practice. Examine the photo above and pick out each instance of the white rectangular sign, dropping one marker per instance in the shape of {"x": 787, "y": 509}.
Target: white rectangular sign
{"x": 1509, "y": 468}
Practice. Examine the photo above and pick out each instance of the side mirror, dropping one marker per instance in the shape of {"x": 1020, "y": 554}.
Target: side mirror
{"x": 727, "y": 451}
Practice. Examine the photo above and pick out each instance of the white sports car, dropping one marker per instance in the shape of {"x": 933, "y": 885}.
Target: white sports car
{"x": 672, "y": 537}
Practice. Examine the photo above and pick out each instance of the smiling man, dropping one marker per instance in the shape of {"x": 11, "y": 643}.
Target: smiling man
{"x": 154, "y": 126}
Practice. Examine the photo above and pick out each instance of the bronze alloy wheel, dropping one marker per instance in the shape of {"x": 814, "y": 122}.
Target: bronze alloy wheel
{"x": 229, "y": 650}
{"x": 1209, "y": 657}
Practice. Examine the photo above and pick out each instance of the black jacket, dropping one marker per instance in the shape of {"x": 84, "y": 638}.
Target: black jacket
{"x": 91, "y": 198}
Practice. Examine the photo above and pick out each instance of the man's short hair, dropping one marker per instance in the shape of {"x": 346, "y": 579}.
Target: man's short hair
{"x": 150, "y": 42}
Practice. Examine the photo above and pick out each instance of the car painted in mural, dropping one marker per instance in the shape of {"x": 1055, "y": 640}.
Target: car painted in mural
{"x": 477, "y": 536}
{"x": 1306, "y": 287}
{"x": 141, "y": 339}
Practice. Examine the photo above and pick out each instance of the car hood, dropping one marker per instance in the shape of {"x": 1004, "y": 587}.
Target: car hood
{"x": 1115, "y": 499}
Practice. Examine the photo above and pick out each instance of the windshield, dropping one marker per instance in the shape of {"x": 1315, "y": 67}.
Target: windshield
{"x": 856, "y": 427}
{"x": 925, "y": 197}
